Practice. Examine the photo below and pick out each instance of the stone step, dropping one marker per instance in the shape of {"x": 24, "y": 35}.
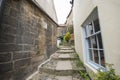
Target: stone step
{"x": 66, "y": 48}
{"x": 57, "y": 72}
{"x": 64, "y": 65}
{"x": 66, "y": 51}
{"x": 60, "y": 68}
{"x": 64, "y": 77}
{"x": 64, "y": 57}
{"x": 46, "y": 76}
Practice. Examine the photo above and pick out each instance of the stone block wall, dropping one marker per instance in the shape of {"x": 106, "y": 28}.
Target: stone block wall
{"x": 24, "y": 42}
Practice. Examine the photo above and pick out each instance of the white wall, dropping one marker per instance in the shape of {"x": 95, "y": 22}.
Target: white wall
{"x": 109, "y": 16}
{"x": 48, "y": 7}
{"x": 81, "y": 10}
{"x": 109, "y": 13}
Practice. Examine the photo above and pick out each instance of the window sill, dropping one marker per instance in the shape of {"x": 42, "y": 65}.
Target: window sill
{"x": 94, "y": 67}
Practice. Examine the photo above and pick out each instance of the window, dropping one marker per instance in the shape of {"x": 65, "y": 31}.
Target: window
{"x": 94, "y": 42}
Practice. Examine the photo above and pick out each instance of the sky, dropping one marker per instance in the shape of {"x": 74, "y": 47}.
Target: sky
{"x": 63, "y": 8}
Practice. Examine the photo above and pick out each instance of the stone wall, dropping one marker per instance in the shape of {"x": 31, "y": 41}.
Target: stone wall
{"x": 24, "y": 42}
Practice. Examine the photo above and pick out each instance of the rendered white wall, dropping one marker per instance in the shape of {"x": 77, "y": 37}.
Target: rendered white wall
{"x": 48, "y": 7}
{"x": 109, "y": 16}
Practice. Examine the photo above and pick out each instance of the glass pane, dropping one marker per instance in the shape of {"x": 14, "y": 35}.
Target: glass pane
{"x": 94, "y": 41}
{"x": 100, "y": 41}
{"x": 90, "y": 55}
{"x": 96, "y": 25}
{"x": 102, "y": 58}
{"x": 90, "y": 28}
{"x": 89, "y": 42}
{"x": 96, "y": 57}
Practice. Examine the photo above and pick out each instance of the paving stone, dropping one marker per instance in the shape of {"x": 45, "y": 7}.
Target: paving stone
{"x": 64, "y": 56}
{"x": 64, "y": 77}
{"x": 49, "y": 79}
{"x": 65, "y": 51}
{"x": 64, "y": 65}
{"x": 66, "y": 48}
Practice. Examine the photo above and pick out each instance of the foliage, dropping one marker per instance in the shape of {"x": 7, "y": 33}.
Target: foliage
{"x": 84, "y": 75}
{"x": 79, "y": 63}
{"x": 67, "y": 37}
{"x": 107, "y": 75}
{"x": 100, "y": 75}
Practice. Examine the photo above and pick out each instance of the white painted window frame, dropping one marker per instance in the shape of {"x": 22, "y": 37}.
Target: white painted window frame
{"x": 92, "y": 63}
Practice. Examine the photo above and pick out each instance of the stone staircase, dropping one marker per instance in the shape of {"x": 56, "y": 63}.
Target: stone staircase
{"x": 60, "y": 66}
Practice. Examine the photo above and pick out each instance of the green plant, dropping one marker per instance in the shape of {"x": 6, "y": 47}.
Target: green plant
{"x": 79, "y": 63}
{"x": 107, "y": 75}
{"x": 84, "y": 75}
{"x": 67, "y": 37}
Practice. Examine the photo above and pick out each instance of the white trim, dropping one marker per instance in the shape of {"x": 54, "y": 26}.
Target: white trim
{"x": 90, "y": 67}
{"x": 93, "y": 34}
{"x": 89, "y": 35}
{"x": 85, "y": 57}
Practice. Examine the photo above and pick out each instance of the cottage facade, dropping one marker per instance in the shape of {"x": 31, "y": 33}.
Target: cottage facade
{"x": 96, "y": 29}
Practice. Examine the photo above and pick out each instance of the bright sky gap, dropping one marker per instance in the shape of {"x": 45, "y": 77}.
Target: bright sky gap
{"x": 62, "y": 9}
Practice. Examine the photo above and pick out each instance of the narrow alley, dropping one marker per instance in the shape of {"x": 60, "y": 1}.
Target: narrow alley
{"x": 59, "y": 40}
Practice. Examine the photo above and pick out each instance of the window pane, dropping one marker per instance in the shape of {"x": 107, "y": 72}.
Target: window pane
{"x": 100, "y": 41}
{"x": 90, "y": 55}
{"x": 96, "y": 25}
{"x": 94, "y": 41}
{"x": 96, "y": 57}
{"x": 102, "y": 58}
{"x": 89, "y": 42}
{"x": 90, "y": 28}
